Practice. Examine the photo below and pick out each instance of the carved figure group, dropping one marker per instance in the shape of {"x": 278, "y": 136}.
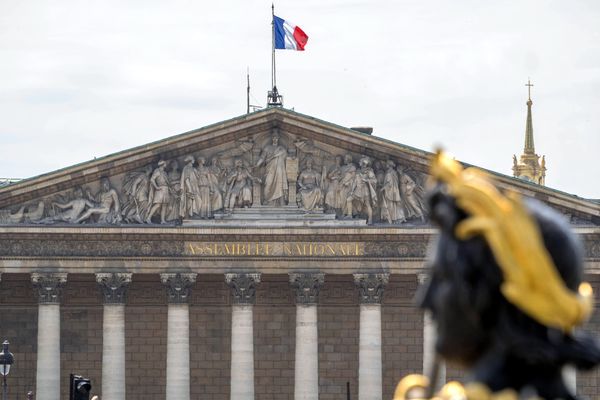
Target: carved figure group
{"x": 102, "y": 208}
{"x": 105, "y": 207}
{"x": 239, "y": 177}
{"x": 201, "y": 194}
{"x": 73, "y": 210}
{"x": 390, "y": 196}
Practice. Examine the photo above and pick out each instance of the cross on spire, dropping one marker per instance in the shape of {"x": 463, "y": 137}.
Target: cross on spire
{"x": 529, "y": 146}
{"x": 529, "y": 85}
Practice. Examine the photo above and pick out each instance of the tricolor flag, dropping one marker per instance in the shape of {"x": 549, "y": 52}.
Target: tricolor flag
{"x": 288, "y": 36}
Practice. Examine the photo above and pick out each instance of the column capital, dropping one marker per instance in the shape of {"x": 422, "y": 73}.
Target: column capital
{"x": 114, "y": 286}
{"x": 307, "y": 286}
{"x": 422, "y": 278}
{"x": 178, "y": 286}
{"x": 243, "y": 287}
{"x": 49, "y": 286}
{"x": 370, "y": 287}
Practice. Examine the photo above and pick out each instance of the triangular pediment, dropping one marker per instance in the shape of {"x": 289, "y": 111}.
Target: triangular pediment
{"x": 245, "y": 144}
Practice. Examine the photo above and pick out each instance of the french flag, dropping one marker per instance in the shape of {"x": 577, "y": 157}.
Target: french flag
{"x": 288, "y": 36}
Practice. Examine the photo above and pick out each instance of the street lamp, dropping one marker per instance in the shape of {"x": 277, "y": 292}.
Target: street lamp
{"x": 6, "y": 360}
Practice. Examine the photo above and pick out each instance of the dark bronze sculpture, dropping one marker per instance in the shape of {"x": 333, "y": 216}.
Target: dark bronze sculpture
{"x": 505, "y": 291}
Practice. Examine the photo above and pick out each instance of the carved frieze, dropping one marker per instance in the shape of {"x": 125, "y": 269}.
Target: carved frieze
{"x": 217, "y": 248}
{"x": 114, "y": 286}
{"x": 221, "y": 247}
{"x": 243, "y": 287}
{"x": 48, "y": 286}
{"x": 307, "y": 286}
{"x": 178, "y": 286}
{"x": 226, "y": 248}
{"x": 270, "y": 169}
{"x": 371, "y": 287}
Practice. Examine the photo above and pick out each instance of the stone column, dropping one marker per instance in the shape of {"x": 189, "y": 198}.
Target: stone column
{"x": 114, "y": 290}
{"x": 306, "y": 375}
{"x": 370, "y": 381}
{"x": 178, "y": 288}
{"x": 243, "y": 291}
{"x": 49, "y": 289}
{"x": 429, "y": 338}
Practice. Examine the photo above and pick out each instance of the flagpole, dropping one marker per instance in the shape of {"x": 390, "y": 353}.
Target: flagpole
{"x": 273, "y": 70}
{"x": 274, "y": 99}
{"x": 248, "y": 90}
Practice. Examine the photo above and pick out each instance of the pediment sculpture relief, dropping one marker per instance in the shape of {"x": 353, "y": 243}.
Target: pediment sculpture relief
{"x": 273, "y": 170}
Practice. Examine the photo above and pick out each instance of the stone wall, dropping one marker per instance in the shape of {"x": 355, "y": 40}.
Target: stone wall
{"x": 274, "y": 340}
{"x": 401, "y": 331}
{"x": 18, "y": 324}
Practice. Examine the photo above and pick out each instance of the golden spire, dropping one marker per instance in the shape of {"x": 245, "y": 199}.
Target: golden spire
{"x": 529, "y": 145}
{"x": 528, "y": 166}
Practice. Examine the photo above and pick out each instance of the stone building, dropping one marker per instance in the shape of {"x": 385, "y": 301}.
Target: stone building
{"x": 271, "y": 256}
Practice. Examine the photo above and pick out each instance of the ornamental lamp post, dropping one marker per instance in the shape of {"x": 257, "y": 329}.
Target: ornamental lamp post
{"x": 6, "y": 360}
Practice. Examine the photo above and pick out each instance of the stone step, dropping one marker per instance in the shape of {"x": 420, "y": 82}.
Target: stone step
{"x": 272, "y": 216}
{"x": 268, "y": 212}
{"x": 282, "y": 222}
{"x": 274, "y": 210}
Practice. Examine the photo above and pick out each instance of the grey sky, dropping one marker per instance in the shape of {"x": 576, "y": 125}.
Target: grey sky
{"x": 84, "y": 79}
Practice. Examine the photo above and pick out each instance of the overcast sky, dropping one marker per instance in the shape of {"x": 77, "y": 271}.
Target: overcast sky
{"x": 83, "y": 79}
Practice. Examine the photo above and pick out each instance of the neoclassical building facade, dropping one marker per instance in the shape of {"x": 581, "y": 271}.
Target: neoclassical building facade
{"x": 271, "y": 256}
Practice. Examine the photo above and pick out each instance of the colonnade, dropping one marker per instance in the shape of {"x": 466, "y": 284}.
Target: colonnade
{"x": 243, "y": 288}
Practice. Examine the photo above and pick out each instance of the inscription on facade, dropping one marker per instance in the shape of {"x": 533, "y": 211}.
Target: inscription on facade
{"x": 274, "y": 249}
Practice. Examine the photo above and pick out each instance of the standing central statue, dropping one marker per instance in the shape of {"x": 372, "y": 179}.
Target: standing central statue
{"x": 275, "y": 188}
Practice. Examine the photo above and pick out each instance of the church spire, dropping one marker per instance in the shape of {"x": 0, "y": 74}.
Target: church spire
{"x": 529, "y": 167}
{"x": 529, "y": 145}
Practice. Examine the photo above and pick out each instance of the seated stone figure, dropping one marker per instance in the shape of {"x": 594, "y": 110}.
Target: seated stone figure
{"x": 505, "y": 292}
{"x": 309, "y": 184}
{"x": 239, "y": 191}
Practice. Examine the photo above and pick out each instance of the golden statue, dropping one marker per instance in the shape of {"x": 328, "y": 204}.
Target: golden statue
{"x": 505, "y": 292}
